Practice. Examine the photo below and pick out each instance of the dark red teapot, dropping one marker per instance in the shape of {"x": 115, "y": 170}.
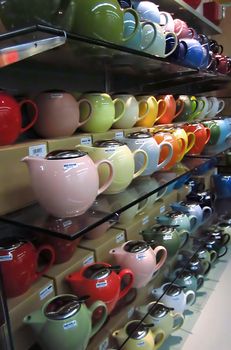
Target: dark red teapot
{"x": 101, "y": 282}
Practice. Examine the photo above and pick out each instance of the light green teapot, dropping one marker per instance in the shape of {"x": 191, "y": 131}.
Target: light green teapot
{"x": 65, "y": 322}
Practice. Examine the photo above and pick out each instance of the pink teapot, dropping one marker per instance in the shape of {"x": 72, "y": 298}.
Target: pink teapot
{"x": 140, "y": 258}
{"x": 66, "y": 183}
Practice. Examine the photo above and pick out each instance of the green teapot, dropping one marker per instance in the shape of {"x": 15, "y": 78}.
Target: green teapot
{"x": 166, "y": 236}
{"x": 65, "y": 321}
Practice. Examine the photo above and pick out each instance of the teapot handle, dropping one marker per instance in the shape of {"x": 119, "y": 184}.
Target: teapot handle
{"x": 50, "y": 249}
{"x": 164, "y": 103}
{"x": 226, "y": 238}
{"x": 221, "y": 106}
{"x": 143, "y": 24}
{"x": 169, "y": 156}
{"x": 162, "y": 258}
{"x": 110, "y": 177}
{"x": 184, "y": 237}
{"x": 141, "y": 170}
{"x": 178, "y": 321}
{"x": 191, "y": 140}
{"x": 125, "y": 290}
{"x": 179, "y": 103}
{"x": 146, "y": 112}
{"x": 120, "y": 102}
{"x": 200, "y": 281}
{"x": 137, "y": 20}
{"x": 158, "y": 337}
{"x": 193, "y": 222}
{"x": 208, "y": 132}
{"x": 213, "y": 256}
{"x": 175, "y": 43}
{"x": 35, "y": 116}
{"x": 85, "y": 100}
{"x": 100, "y": 321}
{"x": 190, "y": 297}
{"x": 207, "y": 212}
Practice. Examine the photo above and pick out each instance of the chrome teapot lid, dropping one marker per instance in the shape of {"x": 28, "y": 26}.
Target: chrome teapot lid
{"x": 159, "y": 310}
{"x": 172, "y": 290}
{"x": 108, "y": 143}
{"x": 63, "y": 307}
{"x": 65, "y": 154}
{"x": 11, "y": 243}
{"x": 97, "y": 271}
{"x": 139, "y": 135}
{"x": 136, "y": 246}
{"x": 165, "y": 229}
{"x": 174, "y": 214}
{"x": 186, "y": 275}
{"x": 194, "y": 263}
{"x": 137, "y": 330}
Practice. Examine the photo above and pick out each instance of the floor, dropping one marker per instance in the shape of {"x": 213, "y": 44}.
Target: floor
{"x": 207, "y": 324}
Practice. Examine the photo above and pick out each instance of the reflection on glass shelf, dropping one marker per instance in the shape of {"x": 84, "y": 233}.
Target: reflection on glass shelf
{"x": 105, "y": 207}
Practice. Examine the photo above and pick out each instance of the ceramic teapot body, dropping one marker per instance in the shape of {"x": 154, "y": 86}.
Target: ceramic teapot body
{"x": 123, "y": 160}
{"x": 202, "y": 214}
{"x": 140, "y": 259}
{"x": 59, "y": 181}
{"x": 65, "y": 320}
{"x": 100, "y": 282}
{"x": 181, "y": 220}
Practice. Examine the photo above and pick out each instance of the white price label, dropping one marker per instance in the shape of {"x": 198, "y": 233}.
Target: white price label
{"x": 120, "y": 237}
{"x": 46, "y": 291}
{"x": 145, "y": 220}
{"x": 56, "y": 95}
{"x": 69, "y": 166}
{"x": 104, "y": 344}
{"x": 131, "y": 312}
{"x": 139, "y": 142}
{"x": 86, "y": 140}
{"x": 67, "y": 223}
{"x": 38, "y": 151}
{"x": 69, "y": 325}
{"x": 162, "y": 209}
{"x": 141, "y": 343}
{"x": 110, "y": 149}
{"x": 119, "y": 135}
{"x": 88, "y": 260}
{"x": 7, "y": 257}
{"x": 167, "y": 236}
{"x": 101, "y": 284}
{"x": 140, "y": 256}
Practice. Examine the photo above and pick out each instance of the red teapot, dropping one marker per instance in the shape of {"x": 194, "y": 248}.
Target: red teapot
{"x": 202, "y": 137}
{"x": 11, "y": 118}
{"x": 19, "y": 264}
{"x": 170, "y": 109}
{"x": 101, "y": 282}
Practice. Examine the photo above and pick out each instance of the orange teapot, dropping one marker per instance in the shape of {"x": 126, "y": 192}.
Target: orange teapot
{"x": 178, "y": 145}
{"x": 168, "y": 111}
{"x": 202, "y": 135}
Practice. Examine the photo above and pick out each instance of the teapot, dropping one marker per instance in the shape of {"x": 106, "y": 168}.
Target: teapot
{"x": 140, "y": 336}
{"x": 221, "y": 237}
{"x": 166, "y": 236}
{"x": 140, "y": 258}
{"x": 193, "y": 208}
{"x": 173, "y": 296}
{"x": 122, "y": 159}
{"x": 65, "y": 320}
{"x": 204, "y": 198}
{"x": 170, "y": 110}
{"x": 11, "y": 118}
{"x": 19, "y": 264}
{"x": 161, "y": 316}
{"x": 59, "y": 181}
{"x": 101, "y": 281}
{"x": 193, "y": 263}
{"x": 207, "y": 255}
{"x": 211, "y": 244}
{"x": 187, "y": 279}
{"x": 181, "y": 220}
{"x": 144, "y": 141}
{"x": 202, "y": 134}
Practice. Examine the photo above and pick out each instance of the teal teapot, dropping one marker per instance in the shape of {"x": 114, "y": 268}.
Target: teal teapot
{"x": 65, "y": 322}
{"x": 166, "y": 236}
{"x": 183, "y": 221}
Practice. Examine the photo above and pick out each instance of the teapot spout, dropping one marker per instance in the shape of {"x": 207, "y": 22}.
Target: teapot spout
{"x": 120, "y": 336}
{"x": 30, "y": 160}
{"x": 118, "y": 254}
{"x": 36, "y": 321}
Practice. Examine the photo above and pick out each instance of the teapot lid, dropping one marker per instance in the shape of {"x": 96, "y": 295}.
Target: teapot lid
{"x": 97, "y": 271}
{"x": 65, "y": 154}
{"x": 137, "y": 330}
{"x": 194, "y": 262}
{"x": 164, "y": 228}
{"x": 174, "y": 214}
{"x": 159, "y": 310}
{"x": 136, "y": 246}
{"x": 108, "y": 143}
{"x": 11, "y": 243}
{"x": 186, "y": 275}
{"x": 172, "y": 290}
{"x": 139, "y": 135}
{"x": 62, "y": 307}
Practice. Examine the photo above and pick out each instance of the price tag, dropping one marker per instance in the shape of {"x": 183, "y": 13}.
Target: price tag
{"x": 167, "y": 236}
{"x": 38, "y": 151}
{"x": 104, "y": 344}
{"x": 56, "y": 95}
{"x": 131, "y": 312}
{"x": 86, "y": 140}
{"x": 120, "y": 237}
{"x": 145, "y": 220}
{"x": 69, "y": 325}
{"x": 101, "y": 284}
{"x": 119, "y": 135}
{"x": 162, "y": 209}
{"x": 140, "y": 256}
{"x": 140, "y": 343}
{"x": 67, "y": 223}
{"x": 69, "y": 166}
{"x": 7, "y": 257}
{"x": 139, "y": 142}
{"x": 46, "y": 291}
{"x": 88, "y": 260}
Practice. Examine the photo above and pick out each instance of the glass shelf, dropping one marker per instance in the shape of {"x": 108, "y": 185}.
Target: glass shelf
{"x": 98, "y": 66}
{"x": 191, "y": 16}
{"x": 105, "y": 207}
